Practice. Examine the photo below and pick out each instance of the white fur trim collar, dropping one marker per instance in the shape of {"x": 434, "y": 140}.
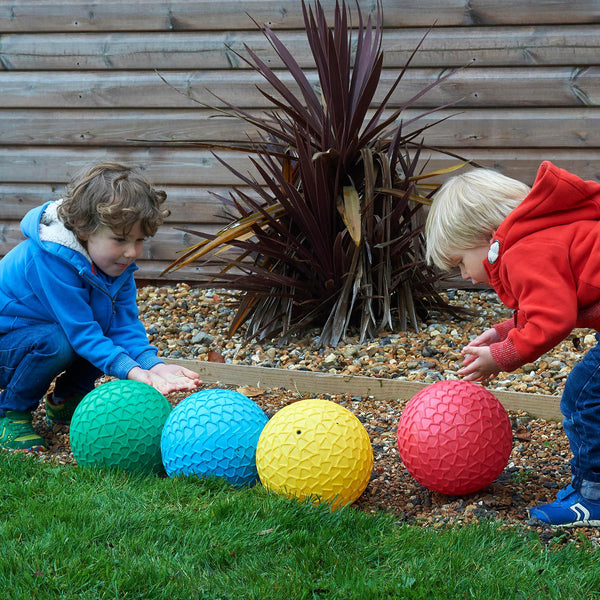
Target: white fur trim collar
{"x": 51, "y": 229}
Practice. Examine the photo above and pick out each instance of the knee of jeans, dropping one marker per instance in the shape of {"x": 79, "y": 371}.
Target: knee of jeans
{"x": 56, "y": 345}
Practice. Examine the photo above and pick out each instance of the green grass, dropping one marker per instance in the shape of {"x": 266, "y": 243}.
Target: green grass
{"x": 75, "y": 533}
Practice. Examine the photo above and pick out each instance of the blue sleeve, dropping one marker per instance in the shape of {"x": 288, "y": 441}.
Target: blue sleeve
{"x": 128, "y": 331}
{"x": 62, "y": 292}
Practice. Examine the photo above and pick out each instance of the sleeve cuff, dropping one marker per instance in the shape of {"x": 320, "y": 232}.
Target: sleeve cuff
{"x": 148, "y": 359}
{"x": 503, "y": 328}
{"x": 122, "y": 365}
{"x": 505, "y": 355}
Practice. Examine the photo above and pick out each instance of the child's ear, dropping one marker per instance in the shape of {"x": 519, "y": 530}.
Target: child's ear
{"x": 492, "y": 236}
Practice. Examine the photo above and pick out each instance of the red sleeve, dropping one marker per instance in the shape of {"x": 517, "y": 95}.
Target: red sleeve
{"x": 542, "y": 282}
{"x": 502, "y": 329}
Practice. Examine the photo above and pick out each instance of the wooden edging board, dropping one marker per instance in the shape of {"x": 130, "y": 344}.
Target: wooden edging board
{"x": 313, "y": 382}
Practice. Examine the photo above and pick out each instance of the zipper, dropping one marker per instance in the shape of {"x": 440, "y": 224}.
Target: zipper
{"x": 85, "y": 276}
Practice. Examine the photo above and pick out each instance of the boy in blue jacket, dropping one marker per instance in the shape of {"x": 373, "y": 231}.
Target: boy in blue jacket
{"x": 68, "y": 302}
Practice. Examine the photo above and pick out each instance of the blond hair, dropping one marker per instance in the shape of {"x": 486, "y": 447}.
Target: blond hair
{"x": 466, "y": 211}
{"x": 115, "y": 196}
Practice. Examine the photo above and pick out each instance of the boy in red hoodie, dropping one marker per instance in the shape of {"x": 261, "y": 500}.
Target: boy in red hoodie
{"x": 539, "y": 249}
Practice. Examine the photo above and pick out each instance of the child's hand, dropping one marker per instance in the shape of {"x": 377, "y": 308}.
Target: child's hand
{"x": 478, "y": 364}
{"x": 166, "y": 378}
{"x": 178, "y": 378}
{"x": 489, "y": 336}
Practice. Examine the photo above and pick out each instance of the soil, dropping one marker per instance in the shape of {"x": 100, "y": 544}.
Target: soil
{"x": 537, "y": 468}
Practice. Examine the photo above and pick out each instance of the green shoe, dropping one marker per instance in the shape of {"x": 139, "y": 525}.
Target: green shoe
{"x": 16, "y": 432}
{"x": 59, "y": 411}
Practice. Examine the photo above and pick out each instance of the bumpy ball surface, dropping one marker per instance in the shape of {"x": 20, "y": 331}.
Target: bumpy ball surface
{"x": 119, "y": 424}
{"x": 213, "y": 433}
{"x": 454, "y": 437}
{"x": 315, "y": 449}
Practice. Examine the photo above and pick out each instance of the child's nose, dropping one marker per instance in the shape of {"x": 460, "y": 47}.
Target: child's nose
{"x": 130, "y": 250}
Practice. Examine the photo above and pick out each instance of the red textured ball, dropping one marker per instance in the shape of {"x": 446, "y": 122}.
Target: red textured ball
{"x": 454, "y": 437}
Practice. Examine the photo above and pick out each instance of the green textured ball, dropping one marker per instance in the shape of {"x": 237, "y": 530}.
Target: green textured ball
{"x": 119, "y": 424}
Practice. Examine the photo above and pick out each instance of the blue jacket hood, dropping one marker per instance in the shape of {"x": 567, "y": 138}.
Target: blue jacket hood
{"x": 42, "y": 226}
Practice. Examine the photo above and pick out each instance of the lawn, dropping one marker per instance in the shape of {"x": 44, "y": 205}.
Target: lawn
{"x": 75, "y": 533}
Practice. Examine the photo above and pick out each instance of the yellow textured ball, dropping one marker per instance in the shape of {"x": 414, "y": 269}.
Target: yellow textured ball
{"x": 315, "y": 449}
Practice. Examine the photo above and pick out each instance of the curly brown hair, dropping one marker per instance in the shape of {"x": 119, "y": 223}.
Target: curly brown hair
{"x": 115, "y": 196}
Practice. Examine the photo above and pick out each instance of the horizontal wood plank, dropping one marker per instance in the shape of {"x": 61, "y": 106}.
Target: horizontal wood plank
{"x": 314, "y": 382}
{"x": 187, "y": 204}
{"x": 464, "y": 127}
{"x": 163, "y": 166}
{"x": 442, "y": 47}
{"x": 165, "y": 15}
{"x": 471, "y": 87}
{"x": 166, "y": 166}
{"x": 153, "y": 271}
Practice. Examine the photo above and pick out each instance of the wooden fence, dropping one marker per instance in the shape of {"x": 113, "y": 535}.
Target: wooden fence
{"x": 83, "y": 82}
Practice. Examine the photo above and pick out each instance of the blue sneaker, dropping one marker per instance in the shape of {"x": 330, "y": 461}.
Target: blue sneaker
{"x": 570, "y": 509}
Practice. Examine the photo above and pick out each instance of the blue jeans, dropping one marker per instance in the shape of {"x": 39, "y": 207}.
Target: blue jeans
{"x": 580, "y": 405}
{"x": 31, "y": 358}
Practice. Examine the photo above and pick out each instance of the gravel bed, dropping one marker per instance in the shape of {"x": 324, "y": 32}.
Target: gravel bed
{"x": 191, "y": 323}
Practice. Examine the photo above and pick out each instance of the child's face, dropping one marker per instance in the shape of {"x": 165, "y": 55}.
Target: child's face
{"x": 470, "y": 263}
{"x": 113, "y": 252}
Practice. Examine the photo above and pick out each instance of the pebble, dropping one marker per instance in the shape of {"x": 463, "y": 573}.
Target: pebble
{"x": 187, "y": 322}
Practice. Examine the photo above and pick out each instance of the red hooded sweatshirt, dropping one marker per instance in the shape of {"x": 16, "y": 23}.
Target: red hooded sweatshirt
{"x": 544, "y": 262}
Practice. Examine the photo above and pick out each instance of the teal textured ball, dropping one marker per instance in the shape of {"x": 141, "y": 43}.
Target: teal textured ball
{"x": 119, "y": 424}
{"x": 214, "y": 433}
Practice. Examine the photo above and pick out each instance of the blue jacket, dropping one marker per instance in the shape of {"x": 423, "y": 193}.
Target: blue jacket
{"x": 49, "y": 278}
